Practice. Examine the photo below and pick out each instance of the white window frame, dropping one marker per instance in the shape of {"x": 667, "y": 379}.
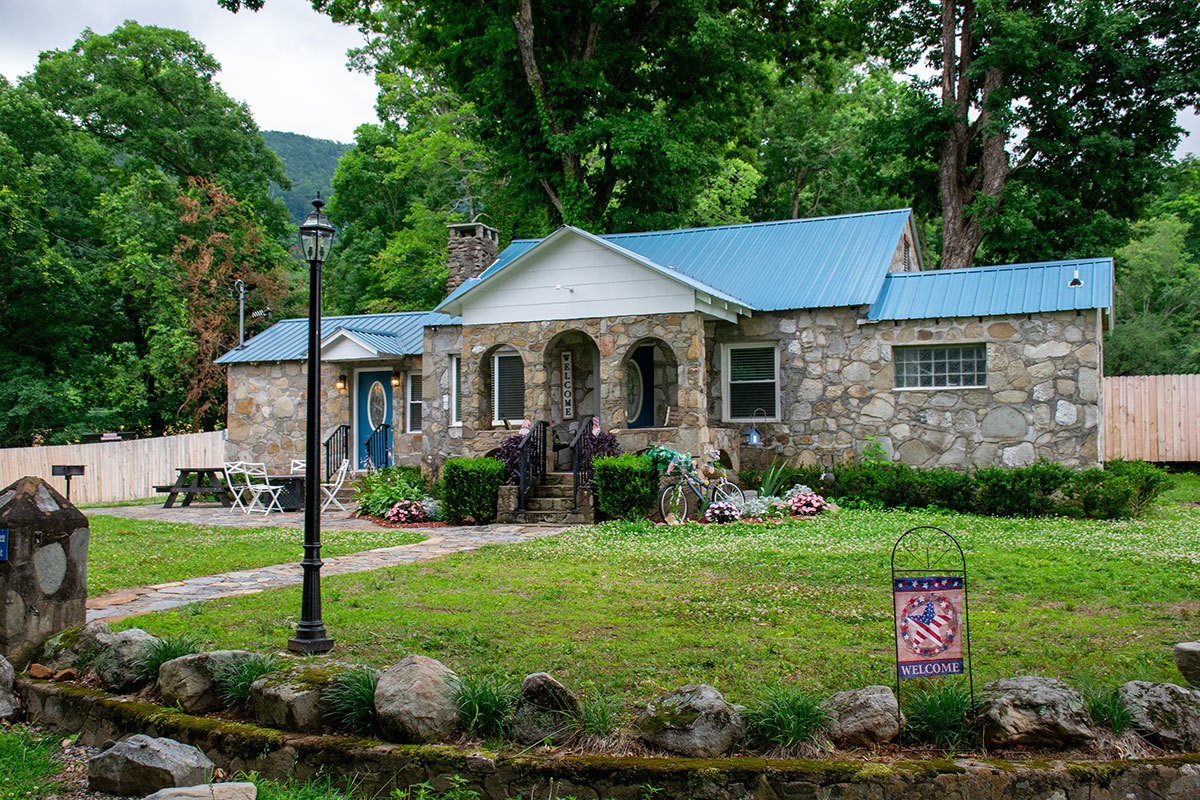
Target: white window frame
{"x": 938, "y": 388}
{"x": 455, "y": 390}
{"x": 409, "y": 403}
{"x": 496, "y": 356}
{"x": 725, "y": 382}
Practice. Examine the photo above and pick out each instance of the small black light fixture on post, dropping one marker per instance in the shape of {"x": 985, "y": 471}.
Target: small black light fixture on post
{"x": 316, "y": 238}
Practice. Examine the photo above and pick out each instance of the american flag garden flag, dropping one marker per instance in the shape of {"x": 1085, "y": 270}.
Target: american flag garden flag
{"x": 929, "y": 626}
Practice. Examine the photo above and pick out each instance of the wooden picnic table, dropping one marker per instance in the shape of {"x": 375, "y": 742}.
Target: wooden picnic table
{"x": 197, "y": 480}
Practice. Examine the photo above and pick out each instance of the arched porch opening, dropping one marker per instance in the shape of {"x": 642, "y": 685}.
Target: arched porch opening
{"x": 651, "y": 391}
{"x": 572, "y": 365}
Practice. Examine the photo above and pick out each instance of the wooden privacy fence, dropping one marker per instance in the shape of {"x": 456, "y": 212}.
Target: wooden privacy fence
{"x": 115, "y": 470}
{"x": 1152, "y": 417}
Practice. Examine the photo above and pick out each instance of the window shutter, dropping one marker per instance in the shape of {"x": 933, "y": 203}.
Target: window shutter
{"x": 456, "y": 388}
{"x": 510, "y": 387}
{"x": 752, "y": 364}
{"x": 414, "y": 403}
{"x": 414, "y": 391}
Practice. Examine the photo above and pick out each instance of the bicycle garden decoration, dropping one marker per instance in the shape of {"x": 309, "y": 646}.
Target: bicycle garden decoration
{"x": 716, "y": 497}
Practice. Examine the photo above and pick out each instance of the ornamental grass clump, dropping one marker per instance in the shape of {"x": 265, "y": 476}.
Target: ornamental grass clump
{"x": 598, "y": 716}
{"x": 940, "y": 713}
{"x": 167, "y": 649}
{"x": 234, "y": 678}
{"x": 721, "y": 512}
{"x": 786, "y": 716}
{"x": 485, "y": 705}
{"x": 351, "y": 700}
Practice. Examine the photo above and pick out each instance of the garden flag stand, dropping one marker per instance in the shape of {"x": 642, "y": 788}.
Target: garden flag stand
{"x": 929, "y": 601}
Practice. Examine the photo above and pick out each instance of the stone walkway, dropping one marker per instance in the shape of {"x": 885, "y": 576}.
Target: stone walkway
{"x": 145, "y": 599}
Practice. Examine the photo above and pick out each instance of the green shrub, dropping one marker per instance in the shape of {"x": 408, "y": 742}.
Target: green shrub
{"x": 949, "y": 489}
{"x": 626, "y": 486}
{"x": 858, "y": 483}
{"x": 485, "y": 705}
{"x": 784, "y": 715}
{"x": 1146, "y": 482}
{"x": 233, "y": 678}
{"x": 379, "y": 490}
{"x": 469, "y": 489}
{"x": 167, "y": 649}
{"x": 1020, "y": 491}
{"x": 900, "y": 486}
{"x": 940, "y": 713}
{"x": 351, "y": 700}
{"x": 1100, "y": 494}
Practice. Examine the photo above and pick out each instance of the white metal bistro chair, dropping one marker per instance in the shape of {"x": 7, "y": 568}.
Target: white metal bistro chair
{"x": 331, "y": 488}
{"x": 298, "y": 466}
{"x": 261, "y": 485}
{"x": 239, "y": 485}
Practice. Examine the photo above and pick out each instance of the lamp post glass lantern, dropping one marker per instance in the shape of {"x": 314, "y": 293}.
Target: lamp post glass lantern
{"x": 316, "y": 238}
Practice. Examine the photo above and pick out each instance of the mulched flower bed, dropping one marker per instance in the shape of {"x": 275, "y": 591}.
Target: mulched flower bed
{"x": 383, "y": 523}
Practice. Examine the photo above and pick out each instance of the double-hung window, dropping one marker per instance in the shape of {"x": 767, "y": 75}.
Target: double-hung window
{"x": 957, "y": 366}
{"x": 456, "y": 390}
{"x": 751, "y": 382}
{"x": 508, "y": 387}
{"x": 414, "y": 402}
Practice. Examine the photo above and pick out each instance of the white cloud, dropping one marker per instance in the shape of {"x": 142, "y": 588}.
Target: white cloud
{"x": 287, "y": 62}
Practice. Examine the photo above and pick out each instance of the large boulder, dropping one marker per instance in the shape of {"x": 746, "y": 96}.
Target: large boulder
{"x": 416, "y": 700}
{"x": 121, "y": 659}
{"x": 187, "y": 682}
{"x": 546, "y": 710}
{"x": 1164, "y": 713}
{"x": 67, "y": 648}
{"x": 8, "y": 701}
{"x": 693, "y": 720}
{"x": 1032, "y": 710}
{"x": 234, "y": 790}
{"x": 141, "y": 764}
{"x": 863, "y": 717}
{"x": 1187, "y": 659}
{"x": 291, "y": 698}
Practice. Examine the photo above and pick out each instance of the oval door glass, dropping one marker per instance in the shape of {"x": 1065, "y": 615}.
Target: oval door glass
{"x": 633, "y": 395}
{"x": 376, "y": 405}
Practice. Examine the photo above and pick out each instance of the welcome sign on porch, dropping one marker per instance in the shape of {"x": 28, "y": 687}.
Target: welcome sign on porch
{"x": 568, "y": 386}
{"x": 929, "y": 599}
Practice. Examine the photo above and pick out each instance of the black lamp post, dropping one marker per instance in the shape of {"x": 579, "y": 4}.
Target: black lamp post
{"x": 316, "y": 237}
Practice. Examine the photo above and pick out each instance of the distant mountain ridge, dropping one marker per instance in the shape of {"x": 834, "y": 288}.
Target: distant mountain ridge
{"x": 309, "y": 163}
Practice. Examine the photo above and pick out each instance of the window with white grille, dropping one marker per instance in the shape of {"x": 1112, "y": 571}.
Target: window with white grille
{"x": 508, "y": 387}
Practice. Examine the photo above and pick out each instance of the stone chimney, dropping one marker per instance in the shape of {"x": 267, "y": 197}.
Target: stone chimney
{"x": 472, "y": 248}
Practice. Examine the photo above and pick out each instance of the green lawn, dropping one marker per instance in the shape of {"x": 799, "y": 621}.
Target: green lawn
{"x": 27, "y": 764}
{"x": 125, "y": 553}
{"x": 632, "y": 609}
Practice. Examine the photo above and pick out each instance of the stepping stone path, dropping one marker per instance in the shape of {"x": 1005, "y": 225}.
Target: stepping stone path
{"x": 158, "y": 597}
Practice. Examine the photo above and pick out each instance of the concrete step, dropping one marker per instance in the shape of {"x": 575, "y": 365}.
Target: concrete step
{"x": 551, "y": 518}
{"x": 539, "y": 503}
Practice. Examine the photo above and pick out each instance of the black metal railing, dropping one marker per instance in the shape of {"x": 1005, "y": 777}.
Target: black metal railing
{"x": 337, "y": 449}
{"x": 378, "y": 447}
{"x": 581, "y": 461}
{"x": 532, "y": 464}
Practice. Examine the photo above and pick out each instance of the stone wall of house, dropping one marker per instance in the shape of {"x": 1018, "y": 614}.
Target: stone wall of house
{"x": 267, "y": 414}
{"x": 837, "y": 388}
{"x": 615, "y": 337}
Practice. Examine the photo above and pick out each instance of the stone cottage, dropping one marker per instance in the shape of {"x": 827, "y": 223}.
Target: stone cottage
{"x": 821, "y": 334}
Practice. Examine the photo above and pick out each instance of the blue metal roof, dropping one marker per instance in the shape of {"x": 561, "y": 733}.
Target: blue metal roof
{"x": 393, "y": 334}
{"x": 1003, "y": 289}
{"x": 800, "y": 263}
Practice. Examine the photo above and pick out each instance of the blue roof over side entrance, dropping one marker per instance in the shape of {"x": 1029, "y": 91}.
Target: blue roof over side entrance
{"x": 800, "y": 263}
{"x": 1004, "y": 289}
{"x": 287, "y": 340}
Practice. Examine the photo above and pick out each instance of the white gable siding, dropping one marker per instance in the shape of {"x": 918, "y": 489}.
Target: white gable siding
{"x": 346, "y": 349}
{"x": 595, "y": 281}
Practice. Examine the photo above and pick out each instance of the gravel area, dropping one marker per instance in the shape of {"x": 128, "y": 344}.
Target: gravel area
{"x": 74, "y": 758}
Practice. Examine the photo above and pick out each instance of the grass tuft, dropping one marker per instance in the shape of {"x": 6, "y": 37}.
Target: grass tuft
{"x": 485, "y": 705}
{"x": 940, "y": 713}
{"x": 233, "y": 678}
{"x": 598, "y": 715}
{"x": 351, "y": 699}
{"x": 1103, "y": 705}
{"x": 784, "y": 715}
{"x": 167, "y": 649}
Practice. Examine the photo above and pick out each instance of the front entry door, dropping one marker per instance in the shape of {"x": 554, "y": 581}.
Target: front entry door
{"x": 374, "y": 408}
{"x": 639, "y": 389}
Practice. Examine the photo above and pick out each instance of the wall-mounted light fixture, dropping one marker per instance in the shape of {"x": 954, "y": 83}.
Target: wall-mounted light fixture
{"x": 1075, "y": 283}
{"x": 341, "y": 383}
{"x": 395, "y": 377}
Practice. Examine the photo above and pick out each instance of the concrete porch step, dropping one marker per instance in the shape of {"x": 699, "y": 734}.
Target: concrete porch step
{"x": 550, "y": 518}
{"x": 537, "y": 502}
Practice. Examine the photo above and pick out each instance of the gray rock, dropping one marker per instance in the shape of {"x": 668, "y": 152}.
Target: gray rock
{"x": 1187, "y": 659}
{"x": 122, "y": 657}
{"x": 141, "y": 764}
{"x": 187, "y": 681}
{"x": 693, "y": 720}
{"x": 6, "y": 676}
{"x": 235, "y": 790}
{"x": 863, "y": 717}
{"x": 1033, "y": 710}
{"x": 290, "y": 698}
{"x": 546, "y": 710}
{"x": 65, "y": 649}
{"x": 8, "y": 707}
{"x": 416, "y": 700}
{"x": 1164, "y": 713}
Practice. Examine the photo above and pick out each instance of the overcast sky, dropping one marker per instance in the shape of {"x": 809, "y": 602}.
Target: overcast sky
{"x": 287, "y": 62}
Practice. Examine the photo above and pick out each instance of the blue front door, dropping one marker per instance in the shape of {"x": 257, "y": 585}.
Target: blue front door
{"x": 374, "y": 409}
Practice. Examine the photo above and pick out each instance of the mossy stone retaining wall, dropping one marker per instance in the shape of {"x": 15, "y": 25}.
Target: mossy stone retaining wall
{"x": 373, "y": 767}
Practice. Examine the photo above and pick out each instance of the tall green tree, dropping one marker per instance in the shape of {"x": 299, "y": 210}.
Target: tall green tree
{"x": 1048, "y": 123}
